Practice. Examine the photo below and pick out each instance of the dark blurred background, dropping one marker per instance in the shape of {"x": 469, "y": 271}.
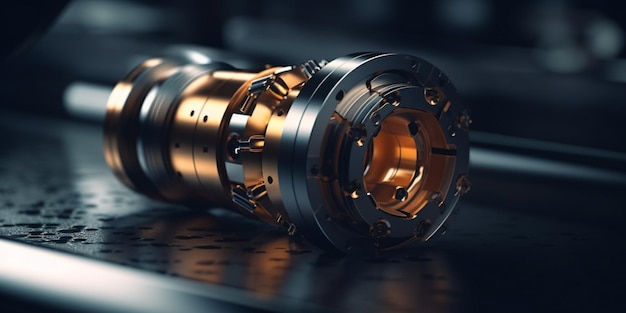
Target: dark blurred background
{"x": 551, "y": 70}
{"x": 545, "y": 81}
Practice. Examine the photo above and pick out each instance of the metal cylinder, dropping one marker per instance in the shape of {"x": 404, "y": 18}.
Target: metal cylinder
{"x": 367, "y": 152}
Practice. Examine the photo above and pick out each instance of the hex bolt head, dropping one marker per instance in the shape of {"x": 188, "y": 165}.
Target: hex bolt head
{"x": 381, "y": 228}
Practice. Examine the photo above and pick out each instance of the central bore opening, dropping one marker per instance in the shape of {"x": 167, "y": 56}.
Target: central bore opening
{"x": 408, "y": 163}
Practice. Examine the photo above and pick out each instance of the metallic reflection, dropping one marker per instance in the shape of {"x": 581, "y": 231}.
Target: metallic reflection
{"x": 80, "y": 284}
{"x": 229, "y": 256}
{"x": 222, "y": 248}
{"x": 62, "y": 164}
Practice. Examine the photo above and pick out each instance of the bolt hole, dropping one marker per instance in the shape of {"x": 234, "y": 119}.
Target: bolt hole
{"x": 205, "y": 149}
{"x": 315, "y": 170}
{"x": 180, "y": 175}
{"x": 177, "y": 145}
{"x": 413, "y": 128}
{"x": 339, "y": 95}
{"x": 206, "y": 118}
{"x": 192, "y": 113}
{"x": 233, "y": 144}
{"x": 270, "y": 180}
{"x": 280, "y": 112}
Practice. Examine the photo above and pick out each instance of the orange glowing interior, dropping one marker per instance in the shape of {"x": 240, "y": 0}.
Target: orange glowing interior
{"x": 409, "y": 163}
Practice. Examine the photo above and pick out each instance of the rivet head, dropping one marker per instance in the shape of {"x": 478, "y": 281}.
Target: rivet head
{"x": 381, "y": 228}
{"x": 463, "y": 185}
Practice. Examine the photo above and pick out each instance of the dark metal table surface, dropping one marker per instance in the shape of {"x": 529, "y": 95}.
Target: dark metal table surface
{"x": 56, "y": 192}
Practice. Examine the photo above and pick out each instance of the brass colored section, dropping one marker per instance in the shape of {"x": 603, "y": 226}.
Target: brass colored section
{"x": 119, "y": 146}
{"x": 195, "y": 148}
{"x": 409, "y": 163}
{"x": 195, "y": 143}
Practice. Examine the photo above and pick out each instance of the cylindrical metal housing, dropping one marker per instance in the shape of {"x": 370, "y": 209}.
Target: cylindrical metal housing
{"x": 369, "y": 151}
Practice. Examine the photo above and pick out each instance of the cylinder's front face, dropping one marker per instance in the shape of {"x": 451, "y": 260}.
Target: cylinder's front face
{"x": 368, "y": 151}
{"x": 409, "y": 162}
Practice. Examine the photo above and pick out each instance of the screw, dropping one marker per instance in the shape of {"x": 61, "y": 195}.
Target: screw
{"x": 431, "y": 96}
{"x": 354, "y": 194}
{"x": 393, "y": 98}
{"x": 400, "y": 194}
{"x": 463, "y": 185}
{"x": 353, "y": 190}
{"x": 359, "y": 134}
{"x": 465, "y": 120}
{"x": 421, "y": 228}
{"x": 380, "y": 228}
